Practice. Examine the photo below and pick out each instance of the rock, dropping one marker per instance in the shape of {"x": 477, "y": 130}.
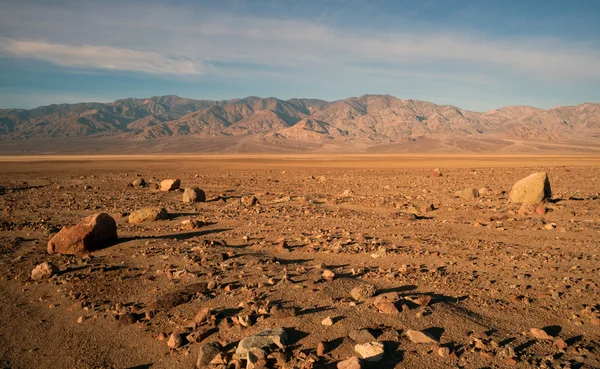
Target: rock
{"x": 321, "y": 349}
{"x": 257, "y": 358}
{"x": 279, "y": 312}
{"x": 43, "y": 271}
{"x": 327, "y": 321}
{"x": 533, "y": 189}
{"x": 193, "y": 195}
{"x": 371, "y": 351}
{"x": 148, "y": 215}
{"x": 420, "y": 337}
{"x": 170, "y": 185}
{"x": 175, "y": 340}
{"x": 467, "y": 194}
{"x": 541, "y": 209}
{"x": 436, "y": 173}
{"x": 202, "y": 316}
{"x": 346, "y": 193}
{"x": 560, "y": 344}
{"x": 540, "y": 334}
{"x": 363, "y": 292}
{"x": 249, "y": 200}
{"x": 526, "y": 209}
{"x": 361, "y": 335}
{"x": 140, "y": 182}
{"x": 207, "y": 353}
{"x": 262, "y": 339}
{"x": 443, "y": 352}
{"x": 91, "y": 233}
{"x": 328, "y": 275}
{"x": 423, "y": 300}
{"x": 351, "y": 363}
{"x": 386, "y": 307}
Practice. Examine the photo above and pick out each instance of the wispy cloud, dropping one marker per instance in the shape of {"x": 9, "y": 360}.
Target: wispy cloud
{"x": 101, "y": 57}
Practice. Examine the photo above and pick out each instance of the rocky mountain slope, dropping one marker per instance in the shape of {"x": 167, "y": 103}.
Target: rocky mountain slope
{"x": 369, "y": 119}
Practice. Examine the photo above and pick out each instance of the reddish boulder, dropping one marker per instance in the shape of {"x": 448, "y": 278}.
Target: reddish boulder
{"x": 91, "y": 233}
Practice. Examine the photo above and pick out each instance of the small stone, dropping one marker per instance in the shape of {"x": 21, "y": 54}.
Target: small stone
{"x": 560, "y": 344}
{"x": 363, "y": 292}
{"x": 540, "y": 334}
{"x": 43, "y": 271}
{"x": 321, "y": 349}
{"x": 140, "y": 182}
{"x": 81, "y": 319}
{"x": 202, "y": 316}
{"x": 279, "y": 312}
{"x": 351, "y": 363}
{"x": 170, "y": 185}
{"x": 541, "y": 209}
{"x": 371, "y": 351}
{"x": 467, "y": 194}
{"x": 436, "y": 173}
{"x": 265, "y": 338}
{"x": 249, "y": 200}
{"x": 148, "y": 215}
{"x": 327, "y": 321}
{"x": 423, "y": 300}
{"x": 175, "y": 340}
{"x": 361, "y": 335}
{"x": 193, "y": 195}
{"x": 207, "y": 353}
{"x": 328, "y": 275}
{"x": 386, "y": 307}
{"x": 443, "y": 352}
{"x": 420, "y": 337}
{"x": 257, "y": 358}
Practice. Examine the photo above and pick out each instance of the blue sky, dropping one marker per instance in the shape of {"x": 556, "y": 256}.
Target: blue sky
{"x": 476, "y": 54}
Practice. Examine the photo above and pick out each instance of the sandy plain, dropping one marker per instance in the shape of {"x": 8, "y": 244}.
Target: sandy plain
{"x": 492, "y": 273}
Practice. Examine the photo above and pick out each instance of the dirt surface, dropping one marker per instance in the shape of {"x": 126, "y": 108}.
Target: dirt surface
{"x": 492, "y": 273}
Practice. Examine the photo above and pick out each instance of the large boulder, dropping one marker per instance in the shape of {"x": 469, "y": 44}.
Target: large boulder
{"x": 148, "y": 215}
{"x": 91, "y": 233}
{"x": 170, "y": 185}
{"x": 533, "y": 189}
{"x": 193, "y": 194}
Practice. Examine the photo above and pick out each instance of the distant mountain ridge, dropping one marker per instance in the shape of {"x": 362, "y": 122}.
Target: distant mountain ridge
{"x": 369, "y": 119}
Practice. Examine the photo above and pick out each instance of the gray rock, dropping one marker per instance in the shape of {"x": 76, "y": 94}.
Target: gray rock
{"x": 148, "y": 215}
{"x": 262, "y": 339}
{"x": 140, "y": 182}
{"x": 207, "y": 353}
{"x": 361, "y": 335}
{"x": 43, "y": 271}
{"x": 533, "y": 189}
{"x": 467, "y": 194}
{"x": 193, "y": 195}
{"x": 370, "y": 351}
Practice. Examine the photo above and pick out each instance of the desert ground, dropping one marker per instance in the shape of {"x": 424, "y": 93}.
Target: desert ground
{"x": 482, "y": 283}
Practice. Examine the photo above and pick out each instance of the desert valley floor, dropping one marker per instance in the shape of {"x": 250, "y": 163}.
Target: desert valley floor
{"x": 470, "y": 277}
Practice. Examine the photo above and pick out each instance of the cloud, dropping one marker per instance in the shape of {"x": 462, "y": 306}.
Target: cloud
{"x": 100, "y": 57}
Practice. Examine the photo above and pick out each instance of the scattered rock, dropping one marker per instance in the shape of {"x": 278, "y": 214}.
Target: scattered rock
{"x": 467, "y": 194}
{"x": 148, "y": 215}
{"x": 351, "y": 363}
{"x": 249, "y": 200}
{"x": 262, "y": 339}
{"x": 327, "y": 321}
{"x": 361, "y": 335}
{"x": 175, "y": 341}
{"x": 363, "y": 292}
{"x": 140, "y": 182}
{"x": 193, "y": 195}
{"x": 91, "y": 233}
{"x": 207, "y": 353}
{"x": 170, "y": 185}
{"x": 328, "y": 275}
{"x": 420, "y": 337}
{"x": 540, "y": 334}
{"x": 371, "y": 351}
{"x": 533, "y": 189}
{"x": 43, "y": 271}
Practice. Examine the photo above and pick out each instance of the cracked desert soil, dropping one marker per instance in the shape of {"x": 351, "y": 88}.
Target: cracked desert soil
{"x": 492, "y": 274}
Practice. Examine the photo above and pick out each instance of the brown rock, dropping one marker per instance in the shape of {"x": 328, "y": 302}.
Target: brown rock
{"x": 540, "y": 334}
{"x": 249, "y": 200}
{"x": 43, "y": 271}
{"x": 467, "y": 194}
{"x": 328, "y": 275}
{"x": 436, "y": 173}
{"x": 202, "y": 316}
{"x": 170, "y": 185}
{"x": 541, "y": 209}
{"x": 321, "y": 349}
{"x": 91, "y": 233}
{"x": 175, "y": 340}
{"x": 207, "y": 353}
{"x": 560, "y": 344}
{"x": 386, "y": 307}
{"x": 363, "y": 292}
{"x": 423, "y": 300}
{"x": 193, "y": 195}
{"x": 420, "y": 337}
{"x": 351, "y": 363}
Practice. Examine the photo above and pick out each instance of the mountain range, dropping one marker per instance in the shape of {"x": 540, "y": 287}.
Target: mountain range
{"x": 359, "y": 123}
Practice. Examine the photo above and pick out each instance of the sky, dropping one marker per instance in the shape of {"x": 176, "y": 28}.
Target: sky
{"x": 475, "y": 54}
